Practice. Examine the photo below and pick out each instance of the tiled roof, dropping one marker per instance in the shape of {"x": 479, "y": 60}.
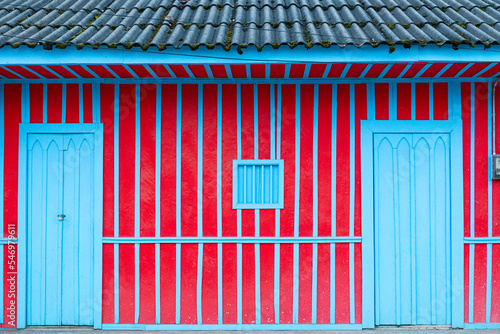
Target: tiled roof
{"x": 244, "y": 23}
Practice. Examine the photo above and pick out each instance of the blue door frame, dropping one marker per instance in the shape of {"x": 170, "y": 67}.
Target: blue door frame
{"x": 454, "y": 129}
{"x": 24, "y": 130}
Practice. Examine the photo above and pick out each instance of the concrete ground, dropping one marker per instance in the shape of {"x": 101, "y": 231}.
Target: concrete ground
{"x": 390, "y": 330}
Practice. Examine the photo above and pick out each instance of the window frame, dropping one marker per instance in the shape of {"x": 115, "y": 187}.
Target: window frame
{"x": 259, "y": 162}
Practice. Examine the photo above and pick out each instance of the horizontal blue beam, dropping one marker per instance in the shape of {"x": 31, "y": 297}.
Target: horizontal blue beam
{"x": 229, "y": 327}
{"x": 245, "y": 81}
{"x": 5, "y": 241}
{"x": 350, "y": 54}
{"x": 487, "y": 240}
{"x": 231, "y": 240}
{"x": 491, "y": 325}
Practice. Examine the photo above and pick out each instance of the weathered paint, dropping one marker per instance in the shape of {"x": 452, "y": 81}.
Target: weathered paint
{"x": 132, "y": 141}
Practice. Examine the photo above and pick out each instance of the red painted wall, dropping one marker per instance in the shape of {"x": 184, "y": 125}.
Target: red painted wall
{"x": 255, "y": 105}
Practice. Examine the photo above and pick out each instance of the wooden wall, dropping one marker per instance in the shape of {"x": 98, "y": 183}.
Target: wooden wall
{"x": 168, "y": 152}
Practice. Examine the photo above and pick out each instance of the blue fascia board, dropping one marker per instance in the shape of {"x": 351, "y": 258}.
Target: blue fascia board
{"x": 350, "y": 54}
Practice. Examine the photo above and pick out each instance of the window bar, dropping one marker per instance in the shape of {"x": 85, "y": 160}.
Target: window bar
{"x": 263, "y": 185}
{"x": 254, "y": 194}
{"x": 244, "y": 184}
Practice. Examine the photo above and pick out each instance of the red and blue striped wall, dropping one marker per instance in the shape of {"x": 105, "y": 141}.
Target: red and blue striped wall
{"x": 175, "y": 253}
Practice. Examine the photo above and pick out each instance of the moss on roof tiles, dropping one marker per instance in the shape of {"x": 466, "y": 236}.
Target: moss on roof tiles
{"x": 292, "y": 23}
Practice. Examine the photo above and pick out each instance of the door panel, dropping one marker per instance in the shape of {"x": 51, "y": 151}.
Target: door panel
{"x": 412, "y": 229}
{"x": 60, "y": 253}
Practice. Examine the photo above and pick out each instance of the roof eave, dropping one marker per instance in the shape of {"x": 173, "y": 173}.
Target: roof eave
{"x": 349, "y": 54}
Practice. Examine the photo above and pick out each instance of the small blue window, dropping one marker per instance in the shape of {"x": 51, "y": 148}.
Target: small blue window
{"x": 258, "y": 184}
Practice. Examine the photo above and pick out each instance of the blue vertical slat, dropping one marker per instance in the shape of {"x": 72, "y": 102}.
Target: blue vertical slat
{"x": 277, "y": 247}
{"x": 96, "y": 103}
{"x": 137, "y": 202}
{"x": 448, "y": 229}
{"x": 85, "y": 231}
{"x": 442, "y": 240}
{"x": 71, "y": 207}
{"x": 178, "y": 206}
{"x": 296, "y": 208}
{"x": 489, "y": 247}
{"x": 489, "y": 263}
{"x": 333, "y": 176}
{"x": 266, "y": 184}
{"x": 396, "y": 233}
{"x": 455, "y": 100}
{"x": 376, "y": 233}
{"x": 315, "y": 210}
{"x": 385, "y": 238}
{"x": 413, "y": 102}
{"x": 63, "y": 107}
{"x": 432, "y": 233}
{"x": 199, "y": 278}
{"x": 404, "y": 235}
{"x": 242, "y": 183}
{"x": 158, "y": 204}
{"x": 471, "y": 282}
{"x": 423, "y": 233}
{"x": 443, "y": 252}
{"x": 52, "y": 237}
{"x": 73, "y": 247}
{"x": 370, "y": 97}
{"x": 369, "y": 222}
{"x": 219, "y": 202}
{"x": 257, "y": 211}
{"x": 35, "y": 245}
{"x": 273, "y": 188}
{"x": 44, "y": 103}
{"x": 278, "y": 123}
{"x": 352, "y": 168}
{"x": 393, "y": 107}
{"x": 25, "y": 103}
{"x": 272, "y": 115}
{"x": 116, "y": 204}
{"x": 248, "y": 199}
{"x": 431, "y": 101}
{"x": 80, "y": 102}
{"x": 472, "y": 202}
{"x": 70, "y": 233}
{"x": 413, "y": 234}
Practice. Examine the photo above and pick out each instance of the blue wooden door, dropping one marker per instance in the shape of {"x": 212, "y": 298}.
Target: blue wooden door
{"x": 412, "y": 229}
{"x": 60, "y": 249}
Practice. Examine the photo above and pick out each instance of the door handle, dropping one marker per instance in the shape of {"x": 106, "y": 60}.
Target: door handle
{"x": 61, "y": 217}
